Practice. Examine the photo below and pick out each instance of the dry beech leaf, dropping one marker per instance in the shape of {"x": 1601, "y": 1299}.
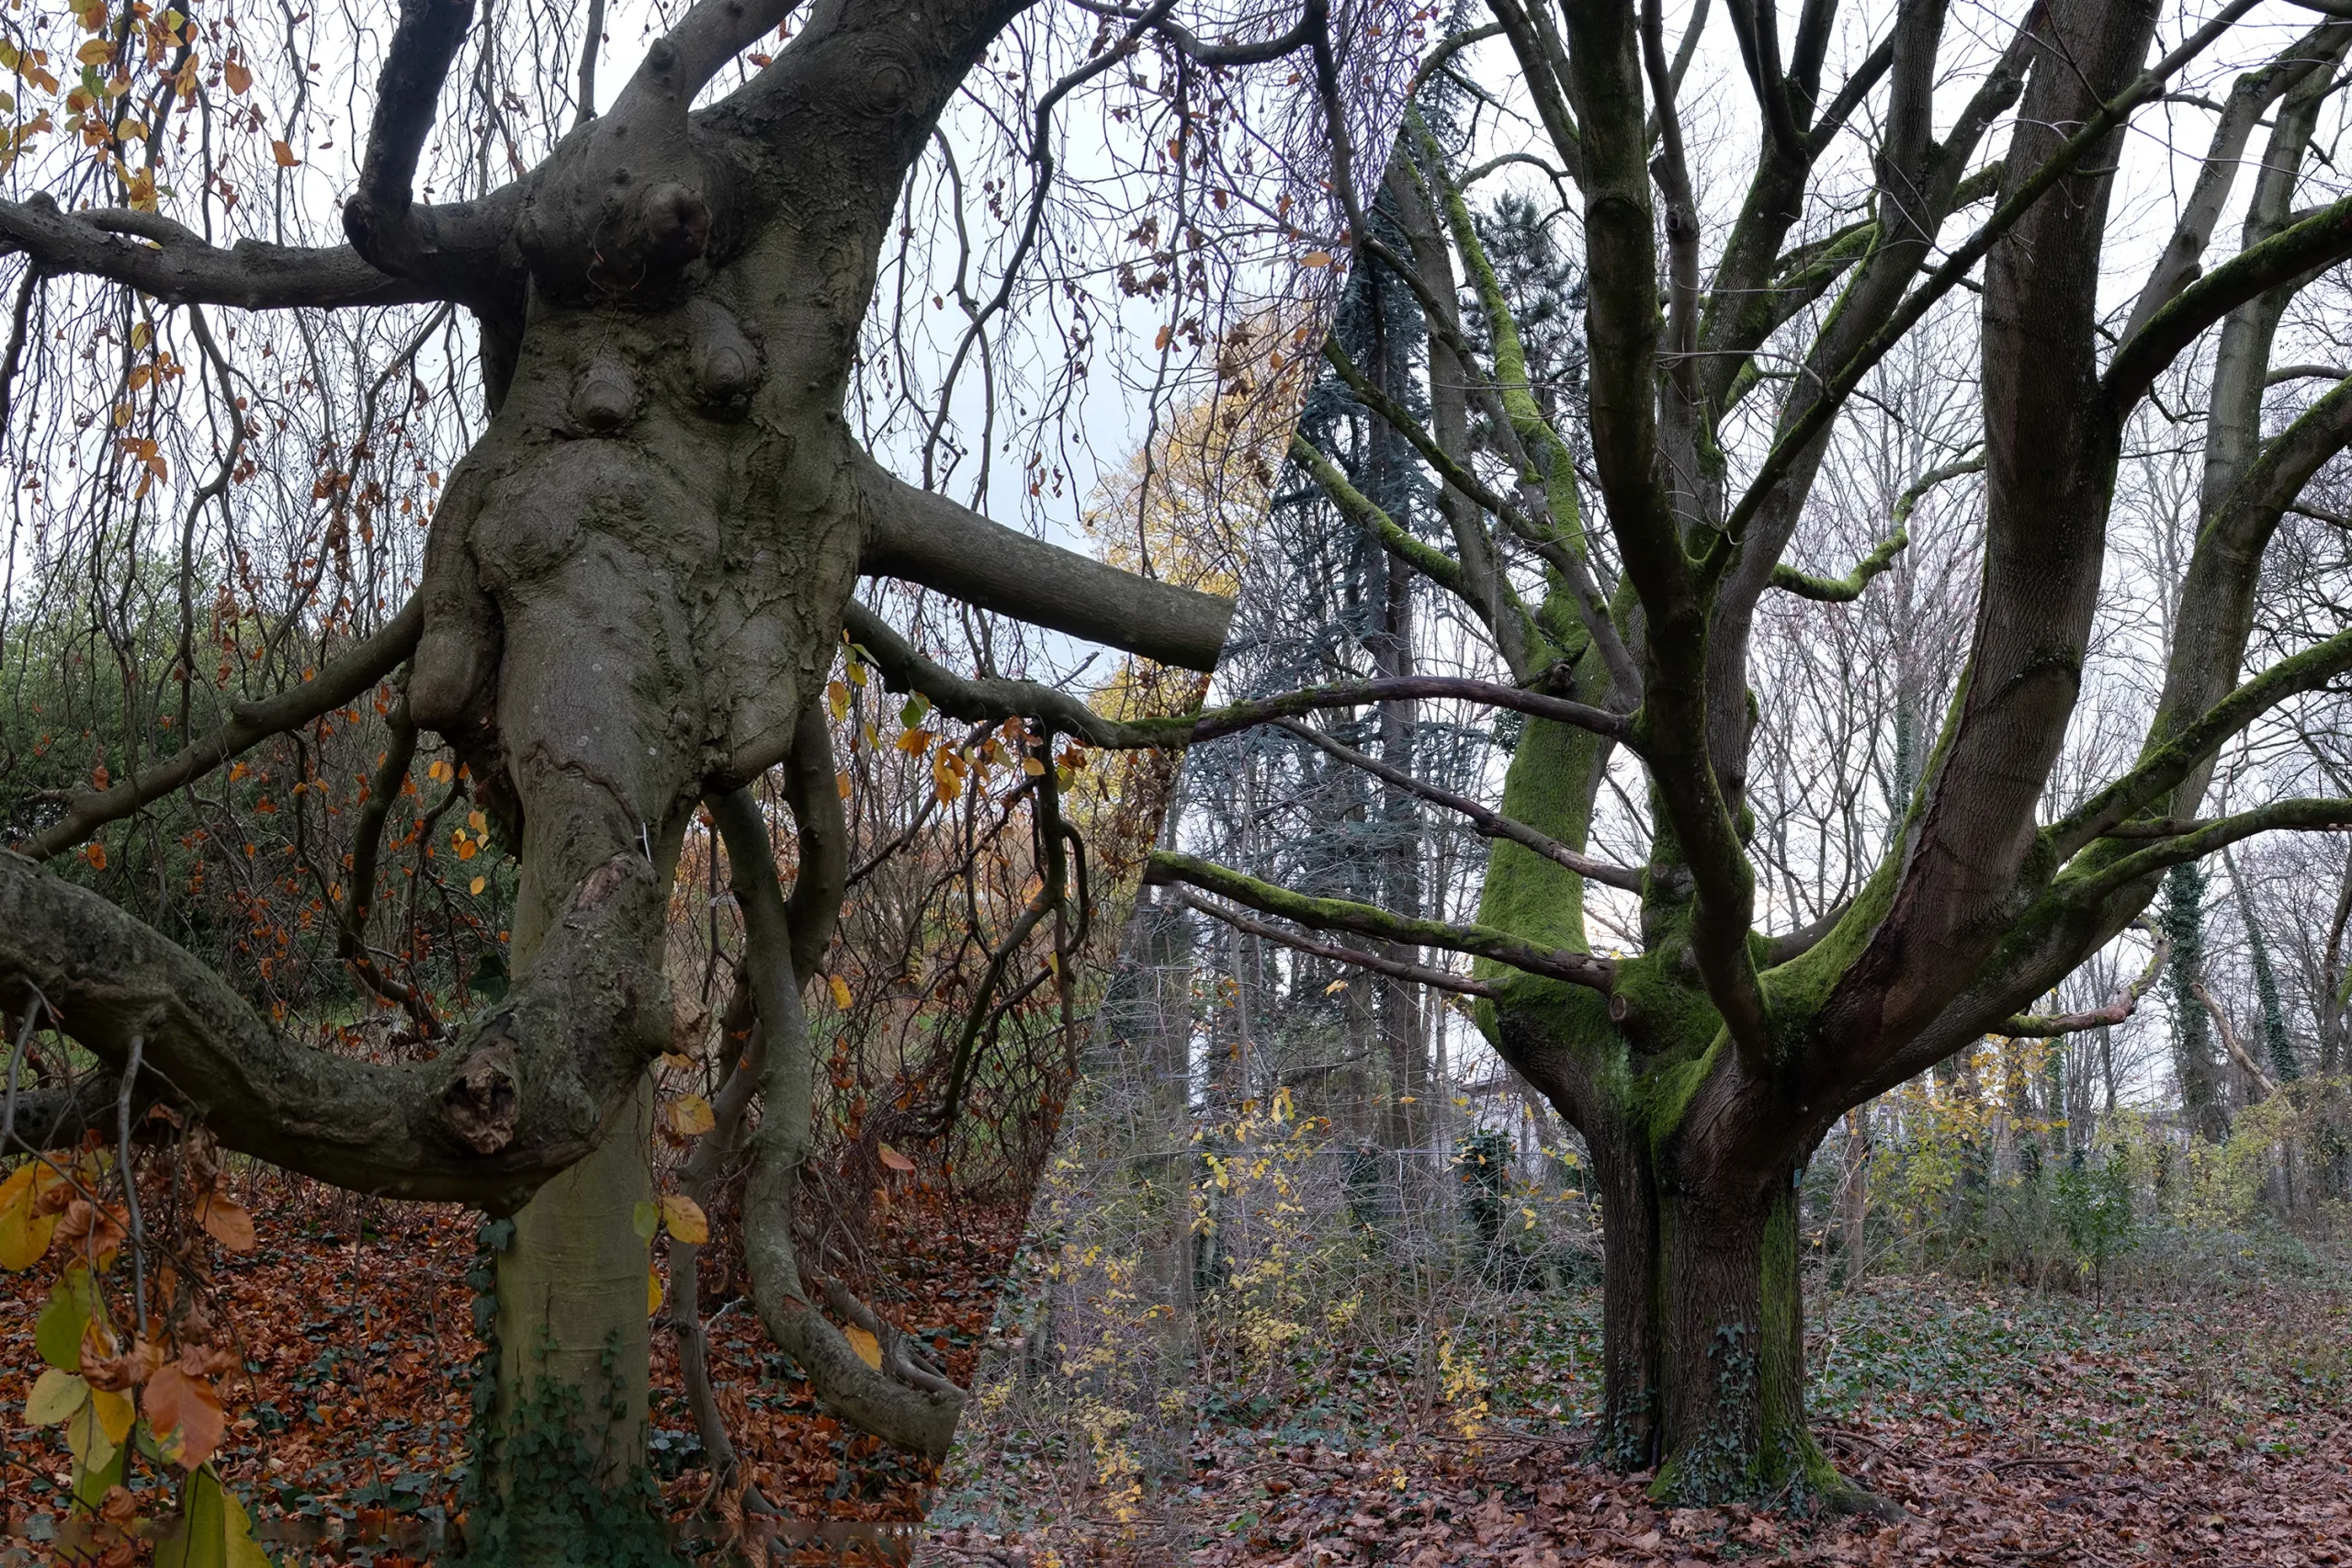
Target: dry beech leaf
{"x": 186, "y": 1414}
{"x": 690, "y": 1116}
{"x": 893, "y": 1160}
{"x": 226, "y": 1221}
{"x": 868, "y": 1349}
{"x": 685, "y": 1219}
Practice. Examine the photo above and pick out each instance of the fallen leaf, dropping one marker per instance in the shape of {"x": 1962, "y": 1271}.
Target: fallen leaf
{"x": 226, "y": 1221}
{"x": 868, "y": 1349}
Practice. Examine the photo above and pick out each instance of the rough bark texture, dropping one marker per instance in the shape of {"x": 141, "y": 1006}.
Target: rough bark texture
{"x": 633, "y": 586}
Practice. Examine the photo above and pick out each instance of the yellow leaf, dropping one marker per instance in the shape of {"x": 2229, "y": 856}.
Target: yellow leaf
{"x": 868, "y": 1349}
{"x": 86, "y": 1439}
{"x": 56, "y": 1395}
{"x": 479, "y": 823}
{"x": 841, "y": 991}
{"x": 684, "y": 1219}
{"x": 677, "y": 1061}
{"x": 690, "y": 1116}
{"x": 438, "y": 772}
{"x": 652, "y": 1292}
{"x": 284, "y": 154}
{"x": 1315, "y": 258}
{"x": 837, "y": 700}
{"x": 115, "y": 1414}
{"x": 892, "y": 1159}
{"x": 477, "y": 885}
{"x": 841, "y": 781}
{"x": 24, "y": 1235}
{"x": 1033, "y": 767}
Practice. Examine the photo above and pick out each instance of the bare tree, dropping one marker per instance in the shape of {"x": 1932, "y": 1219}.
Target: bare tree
{"x": 1616, "y": 550}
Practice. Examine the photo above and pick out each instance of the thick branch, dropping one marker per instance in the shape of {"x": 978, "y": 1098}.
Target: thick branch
{"x": 2169, "y": 763}
{"x": 2301, "y": 251}
{"x": 370, "y": 1127}
{"x": 1364, "y": 919}
{"x": 920, "y": 1420}
{"x": 407, "y": 94}
{"x": 1413, "y": 974}
{"x": 251, "y": 723}
{"x": 160, "y": 257}
{"x": 2320, "y": 815}
{"x": 927, "y": 539}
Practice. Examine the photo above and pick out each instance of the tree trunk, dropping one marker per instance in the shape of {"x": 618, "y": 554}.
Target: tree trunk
{"x": 1703, "y": 1322}
{"x": 560, "y": 1462}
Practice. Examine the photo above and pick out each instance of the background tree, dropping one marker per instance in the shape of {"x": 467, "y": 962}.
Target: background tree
{"x": 1616, "y": 555}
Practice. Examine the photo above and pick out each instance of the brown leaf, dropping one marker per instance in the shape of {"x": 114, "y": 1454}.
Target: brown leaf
{"x": 226, "y": 1221}
{"x": 186, "y": 1413}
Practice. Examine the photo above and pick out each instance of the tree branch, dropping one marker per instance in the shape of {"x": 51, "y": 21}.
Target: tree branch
{"x": 1490, "y": 824}
{"x": 1396, "y": 969}
{"x": 993, "y": 700}
{"x": 251, "y": 723}
{"x": 407, "y": 95}
{"x": 920, "y": 1420}
{"x": 1340, "y": 914}
{"x": 2049, "y": 1026}
{"x": 2302, "y": 250}
{"x": 2167, "y": 764}
{"x": 400, "y": 1130}
{"x": 2319, "y": 815}
{"x": 179, "y": 269}
{"x": 1845, "y": 590}
{"x": 924, "y": 538}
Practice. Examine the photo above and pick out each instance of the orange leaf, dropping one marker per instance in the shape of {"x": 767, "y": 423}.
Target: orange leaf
{"x": 186, "y": 1414}
{"x": 96, "y": 855}
{"x": 1315, "y": 258}
{"x": 284, "y": 154}
{"x": 227, "y": 1222}
{"x": 237, "y": 76}
{"x": 894, "y": 1160}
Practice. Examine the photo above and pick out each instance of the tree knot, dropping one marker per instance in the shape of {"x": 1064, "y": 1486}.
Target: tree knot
{"x": 483, "y": 1101}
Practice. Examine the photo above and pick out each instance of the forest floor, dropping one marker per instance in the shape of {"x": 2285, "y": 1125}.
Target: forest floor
{"x": 349, "y": 1425}
{"x": 2014, "y": 1427}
